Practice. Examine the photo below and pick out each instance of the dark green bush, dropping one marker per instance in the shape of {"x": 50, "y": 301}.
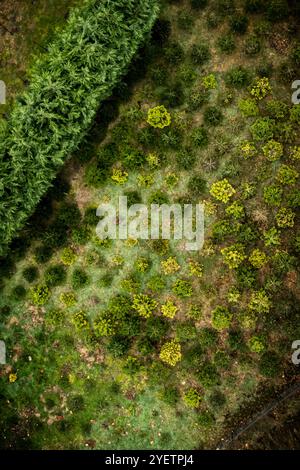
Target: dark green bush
{"x": 238, "y": 77}
{"x": 133, "y": 158}
{"x": 277, "y": 10}
{"x": 197, "y": 185}
{"x": 81, "y": 235}
{"x": 185, "y": 159}
{"x": 171, "y": 95}
{"x": 254, "y": 6}
{"x": 246, "y": 276}
{"x": 198, "y": 4}
{"x": 156, "y": 283}
{"x": 213, "y": 116}
{"x": 226, "y": 7}
{"x": 217, "y": 400}
{"x": 208, "y": 337}
{"x": 269, "y": 364}
{"x": 133, "y": 197}
{"x": 198, "y": 98}
{"x": 200, "y": 137}
{"x": 42, "y": 254}
{"x": 206, "y": 419}
{"x": 118, "y": 346}
{"x": 174, "y": 53}
{"x": 185, "y": 20}
{"x": 185, "y": 331}
{"x": 161, "y": 31}
{"x": 90, "y": 216}
{"x": 200, "y": 54}
{"x": 156, "y": 328}
{"x": 19, "y": 292}
{"x": 235, "y": 340}
{"x": 239, "y": 24}
{"x": 145, "y": 346}
{"x": 55, "y": 275}
{"x": 226, "y": 43}
{"x": 30, "y": 273}
{"x": 170, "y": 396}
{"x": 222, "y": 359}
{"x": 208, "y": 375}
{"x": 56, "y": 111}
{"x": 295, "y": 56}
{"x": 159, "y": 197}
{"x": 79, "y": 278}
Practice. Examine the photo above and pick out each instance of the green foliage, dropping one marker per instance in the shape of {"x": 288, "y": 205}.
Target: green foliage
{"x": 236, "y": 210}
{"x": 192, "y": 398}
{"x": 200, "y": 54}
{"x": 209, "y": 82}
{"x": 185, "y": 331}
{"x": 156, "y": 283}
{"x": 174, "y": 53}
{"x": 221, "y": 318}
{"x": 159, "y": 117}
{"x": 237, "y": 77}
{"x": 68, "y": 256}
{"x": 198, "y": 4}
{"x": 273, "y": 195}
{"x": 56, "y": 111}
{"x": 222, "y": 190}
{"x": 254, "y": 6}
{"x": 68, "y": 299}
{"x": 144, "y": 305}
{"x": 269, "y": 364}
{"x": 80, "y": 320}
{"x": 262, "y": 129}
{"x": 55, "y": 317}
{"x": 208, "y": 375}
{"x": 285, "y": 218}
{"x": 19, "y": 292}
{"x": 287, "y": 175}
{"x": 272, "y": 237}
{"x": 277, "y": 109}
{"x": 221, "y": 360}
{"x": 252, "y": 45}
{"x": 260, "y": 302}
{"x": 79, "y": 278}
{"x": 182, "y": 288}
{"x": 256, "y": 344}
{"x": 170, "y": 353}
{"x": 55, "y": 275}
{"x": 258, "y": 258}
{"x": 239, "y": 23}
{"x": 277, "y": 10}
{"x": 261, "y": 88}
{"x": 170, "y": 396}
{"x": 40, "y": 294}
{"x": 118, "y": 346}
{"x": 156, "y": 328}
{"x": 273, "y": 150}
{"x": 206, "y": 419}
{"x": 195, "y": 312}
{"x": 208, "y": 338}
{"x": 226, "y": 43}
{"x": 169, "y": 309}
{"x": 103, "y": 326}
{"x": 200, "y": 137}
{"x": 197, "y": 185}
{"x": 213, "y": 116}
{"x": 30, "y": 273}
{"x": 249, "y": 107}
{"x": 197, "y": 98}
{"x": 233, "y": 255}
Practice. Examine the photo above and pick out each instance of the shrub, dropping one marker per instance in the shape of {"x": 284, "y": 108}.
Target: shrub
{"x": 104, "y": 326}
{"x": 159, "y": 197}
{"x": 170, "y": 266}
{"x": 68, "y": 257}
{"x": 195, "y": 312}
{"x": 233, "y": 255}
{"x": 197, "y": 185}
{"x": 79, "y": 278}
{"x": 30, "y": 273}
{"x": 221, "y": 360}
{"x": 131, "y": 365}
{"x": 226, "y": 7}
{"x": 198, "y": 4}
{"x": 195, "y": 268}
{"x": 197, "y": 98}
{"x": 81, "y": 235}
{"x": 156, "y": 328}
{"x": 273, "y": 195}
{"x": 119, "y": 176}
{"x": 42, "y": 254}
{"x": 235, "y": 210}
{"x": 182, "y": 288}
{"x": 161, "y": 31}
{"x": 276, "y": 109}
{"x": 221, "y": 318}
{"x": 248, "y": 149}
{"x": 269, "y": 364}
{"x": 273, "y": 150}
{"x": 261, "y": 88}
{"x": 206, "y": 419}
{"x": 287, "y": 175}
{"x": 118, "y": 346}
{"x": 246, "y": 276}
{"x": 226, "y": 43}
{"x": 35, "y": 130}
{"x": 239, "y": 23}
{"x": 285, "y": 218}
{"x": 185, "y": 20}
{"x": 295, "y": 115}
{"x": 209, "y": 82}
{"x": 208, "y": 337}
{"x": 277, "y": 10}
{"x": 258, "y": 258}
{"x": 249, "y": 108}
{"x": 200, "y": 54}
{"x": 262, "y": 129}
{"x": 80, "y": 320}
{"x": 156, "y": 283}
{"x": 19, "y": 292}
{"x": 169, "y": 309}
{"x": 237, "y": 77}
{"x": 213, "y": 116}
{"x": 256, "y": 344}
{"x": 40, "y": 294}
{"x": 185, "y": 331}
{"x": 55, "y": 317}
{"x": 170, "y": 353}
{"x": 200, "y": 137}
{"x": 144, "y": 305}
{"x": 170, "y": 396}
{"x": 174, "y": 53}
{"x": 159, "y": 117}
{"x": 185, "y": 159}
{"x": 254, "y": 6}
{"x": 132, "y": 159}
{"x": 55, "y": 275}
{"x": 260, "y": 302}
{"x": 68, "y": 299}
{"x": 208, "y": 375}
{"x": 222, "y": 190}
{"x": 272, "y": 237}
{"x": 192, "y": 398}
{"x": 252, "y": 45}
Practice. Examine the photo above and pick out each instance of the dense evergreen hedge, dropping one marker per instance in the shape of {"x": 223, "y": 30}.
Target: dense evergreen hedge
{"x": 68, "y": 83}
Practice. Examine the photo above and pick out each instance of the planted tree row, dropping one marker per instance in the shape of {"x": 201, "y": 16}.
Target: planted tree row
{"x": 82, "y": 66}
